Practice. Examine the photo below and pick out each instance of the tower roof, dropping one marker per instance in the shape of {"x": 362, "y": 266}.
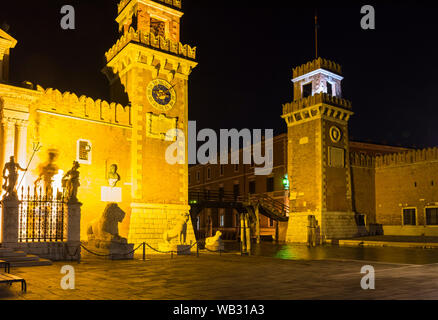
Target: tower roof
{"x": 6, "y": 41}
{"x": 316, "y": 64}
{"x": 176, "y": 4}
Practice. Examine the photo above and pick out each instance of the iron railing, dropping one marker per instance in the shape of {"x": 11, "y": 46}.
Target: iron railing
{"x": 41, "y": 217}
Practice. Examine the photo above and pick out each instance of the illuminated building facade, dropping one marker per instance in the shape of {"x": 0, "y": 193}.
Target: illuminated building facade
{"x": 148, "y": 70}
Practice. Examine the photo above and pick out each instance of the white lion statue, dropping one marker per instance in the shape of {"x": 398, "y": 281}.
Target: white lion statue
{"x": 215, "y": 243}
{"x": 180, "y": 230}
{"x": 106, "y": 228}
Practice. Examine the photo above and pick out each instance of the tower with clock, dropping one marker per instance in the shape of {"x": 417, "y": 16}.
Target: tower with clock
{"x": 318, "y": 165}
{"x": 148, "y": 68}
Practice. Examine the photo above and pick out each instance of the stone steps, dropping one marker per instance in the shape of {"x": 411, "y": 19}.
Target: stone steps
{"x": 21, "y": 259}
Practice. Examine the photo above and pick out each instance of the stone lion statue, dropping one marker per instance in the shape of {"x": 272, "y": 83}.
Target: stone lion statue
{"x": 213, "y": 240}
{"x": 106, "y": 228}
{"x": 180, "y": 230}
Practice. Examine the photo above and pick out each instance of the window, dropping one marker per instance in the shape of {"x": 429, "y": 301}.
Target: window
{"x": 329, "y": 88}
{"x": 236, "y": 190}
{"x": 270, "y": 184}
{"x": 409, "y": 217}
{"x": 221, "y": 192}
{"x": 307, "y": 90}
{"x": 252, "y": 187}
{"x": 198, "y": 222}
{"x": 198, "y": 176}
{"x": 271, "y": 222}
{"x": 83, "y": 152}
{"x": 222, "y": 220}
{"x": 208, "y": 173}
{"x": 158, "y": 27}
{"x": 432, "y": 216}
{"x": 236, "y": 168}
{"x": 222, "y": 169}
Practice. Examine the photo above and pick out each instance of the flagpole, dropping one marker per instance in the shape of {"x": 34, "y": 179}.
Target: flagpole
{"x": 316, "y": 34}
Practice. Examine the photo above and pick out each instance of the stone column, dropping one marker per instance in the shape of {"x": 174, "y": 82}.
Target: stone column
{"x": 10, "y": 223}
{"x": 20, "y": 149}
{"x": 73, "y": 245}
{"x": 9, "y": 139}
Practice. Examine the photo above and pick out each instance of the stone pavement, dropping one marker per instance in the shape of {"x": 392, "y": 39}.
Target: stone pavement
{"x": 230, "y": 276}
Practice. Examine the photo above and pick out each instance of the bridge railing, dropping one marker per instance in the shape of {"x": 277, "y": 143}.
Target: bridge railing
{"x": 197, "y": 196}
{"x": 276, "y": 206}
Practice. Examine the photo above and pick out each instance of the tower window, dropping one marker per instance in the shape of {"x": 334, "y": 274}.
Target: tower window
{"x": 329, "y": 88}
{"x": 307, "y": 90}
{"x": 158, "y": 27}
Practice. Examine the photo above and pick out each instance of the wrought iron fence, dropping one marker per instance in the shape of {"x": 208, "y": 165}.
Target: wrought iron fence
{"x": 41, "y": 216}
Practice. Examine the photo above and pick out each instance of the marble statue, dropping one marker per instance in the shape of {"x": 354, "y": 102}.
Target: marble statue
{"x": 113, "y": 176}
{"x": 48, "y": 171}
{"x": 106, "y": 229}
{"x": 71, "y": 183}
{"x": 180, "y": 230}
{"x": 215, "y": 243}
{"x": 11, "y": 178}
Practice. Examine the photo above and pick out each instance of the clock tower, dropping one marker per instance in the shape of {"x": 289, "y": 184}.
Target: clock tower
{"x": 148, "y": 68}
{"x": 318, "y": 154}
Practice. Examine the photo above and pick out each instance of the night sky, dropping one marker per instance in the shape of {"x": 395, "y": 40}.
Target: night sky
{"x": 246, "y": 53}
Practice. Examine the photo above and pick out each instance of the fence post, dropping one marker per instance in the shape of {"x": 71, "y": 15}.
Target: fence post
{"x": 10, "y": 223}
{"x": 74, "y": 229}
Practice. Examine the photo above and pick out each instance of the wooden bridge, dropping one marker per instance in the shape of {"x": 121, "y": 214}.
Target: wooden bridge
{"x": 254, "y": 205}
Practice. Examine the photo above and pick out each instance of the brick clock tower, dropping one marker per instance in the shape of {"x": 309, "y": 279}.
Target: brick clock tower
{"x": 318, "y": 166}
{"x": 149, "y": 68}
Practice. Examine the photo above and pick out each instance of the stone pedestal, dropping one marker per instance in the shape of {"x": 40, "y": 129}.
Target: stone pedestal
{"x": 74, "y": 222}
{"x": 10, "y": 223}
{"x": 330, "y": 225}
{"x": 112, "y": 250}
{"x": 149, "y": 222}
{"x": 217, "y": 246}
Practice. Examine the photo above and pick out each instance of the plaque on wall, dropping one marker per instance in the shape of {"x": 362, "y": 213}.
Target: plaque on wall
{"x": 158, "y": 126}
{"x": 336, "y": 157}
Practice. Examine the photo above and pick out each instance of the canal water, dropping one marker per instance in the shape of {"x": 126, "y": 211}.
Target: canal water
{"x": 329, "y": 252}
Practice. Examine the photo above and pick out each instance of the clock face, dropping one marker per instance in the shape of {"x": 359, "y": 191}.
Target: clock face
{"x": 161, "y": 95}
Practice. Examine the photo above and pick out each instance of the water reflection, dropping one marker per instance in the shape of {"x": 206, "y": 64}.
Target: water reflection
{"x": 380, "y": 254}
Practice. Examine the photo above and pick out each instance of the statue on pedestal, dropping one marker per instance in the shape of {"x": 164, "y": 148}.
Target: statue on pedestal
{"x": 71, "y": 183}
{"x": 179, "y": 231}
{"x": 47, "y": 172}
{"x": 113, "y": 176}
{"x": 11, "y": 178}
{"x": 104, "y": 238}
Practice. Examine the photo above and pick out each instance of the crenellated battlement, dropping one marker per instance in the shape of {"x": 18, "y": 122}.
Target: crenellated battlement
{"x": 408, "y": 157}
{"x": 314, "y": 100}
{"x": 394, "y": 159}
{"x": 70, "y": 105}
{"x": 316, "y": 64}
{"x": 358, "y": 159}
{"x": 171, "y": 3}
{"x": 150, "y": 40}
